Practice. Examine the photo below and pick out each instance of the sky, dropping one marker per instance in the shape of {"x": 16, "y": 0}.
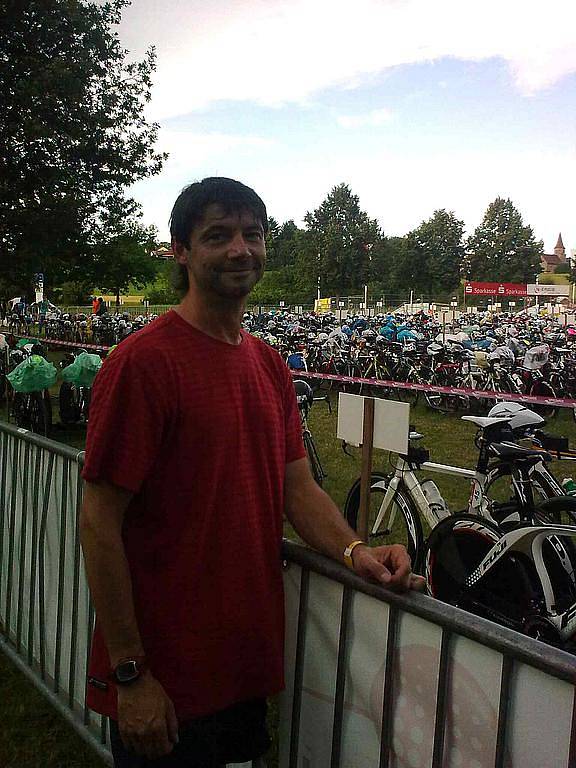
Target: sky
{"x": 417, "y": 105}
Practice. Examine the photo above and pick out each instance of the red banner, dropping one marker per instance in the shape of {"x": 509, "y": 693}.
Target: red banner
{"x": 496, "y": 289}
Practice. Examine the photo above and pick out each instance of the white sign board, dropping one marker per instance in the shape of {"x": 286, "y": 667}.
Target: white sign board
{"x": 548, "y": 290}
{"x": 391, "y": 422}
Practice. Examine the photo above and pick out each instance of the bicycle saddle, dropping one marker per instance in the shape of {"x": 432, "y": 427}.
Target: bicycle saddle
{"x": 518, "y": 453}
{"x": 486, "y": 421}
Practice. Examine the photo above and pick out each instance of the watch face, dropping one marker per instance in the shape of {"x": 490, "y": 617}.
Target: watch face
{"x": 127, "y": 671}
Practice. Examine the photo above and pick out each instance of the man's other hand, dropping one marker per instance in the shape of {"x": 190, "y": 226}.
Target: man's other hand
{"x": 146, "y": 718}
{"x": 388, "y": 565}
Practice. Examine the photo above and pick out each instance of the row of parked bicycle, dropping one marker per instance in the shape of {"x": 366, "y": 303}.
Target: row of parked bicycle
{"x": 101, "y": 330}
{"x": 505, "y": 353}
{"x": 529, "y": 356}
{"x": 499, "y": 353}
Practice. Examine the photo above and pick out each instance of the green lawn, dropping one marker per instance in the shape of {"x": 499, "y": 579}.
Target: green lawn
{"x": 33, "y": 736}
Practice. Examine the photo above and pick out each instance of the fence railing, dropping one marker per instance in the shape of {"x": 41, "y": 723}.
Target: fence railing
{"x": 373, "y": 678}
{"x": 46, "y": 616}
{"x": 378, "y": 679}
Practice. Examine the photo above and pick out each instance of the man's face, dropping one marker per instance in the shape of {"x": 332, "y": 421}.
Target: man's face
{"x": 226, "y": 254}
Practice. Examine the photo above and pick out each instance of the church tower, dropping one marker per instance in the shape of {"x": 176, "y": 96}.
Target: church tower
{"x": 560, "y": 251}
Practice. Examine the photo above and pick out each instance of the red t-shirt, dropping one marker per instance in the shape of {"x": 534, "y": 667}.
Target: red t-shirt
{"x": 200, "y": 431}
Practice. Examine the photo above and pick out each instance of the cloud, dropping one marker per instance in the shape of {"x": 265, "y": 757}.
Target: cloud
{"x": 274, "y": 52}
{"x": 191, "y": 153}
{"x": 373, "y": 119}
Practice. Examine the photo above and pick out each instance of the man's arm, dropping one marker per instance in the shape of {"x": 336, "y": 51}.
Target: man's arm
{"x": 146, "y": 716}
{"x": 320, "y": 523}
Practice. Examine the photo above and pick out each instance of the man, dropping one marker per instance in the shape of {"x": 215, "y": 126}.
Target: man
{"x": 194, "y": 451}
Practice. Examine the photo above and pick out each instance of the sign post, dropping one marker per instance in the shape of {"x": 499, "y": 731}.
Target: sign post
{"x": 371, "y": 423}
{"x": 366, "y": 472}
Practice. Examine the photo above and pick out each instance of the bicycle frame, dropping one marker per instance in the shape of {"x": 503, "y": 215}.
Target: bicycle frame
{"x": 406, "y": 479}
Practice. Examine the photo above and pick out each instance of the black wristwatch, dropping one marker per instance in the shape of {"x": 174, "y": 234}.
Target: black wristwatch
{"x": 129, "y": 670}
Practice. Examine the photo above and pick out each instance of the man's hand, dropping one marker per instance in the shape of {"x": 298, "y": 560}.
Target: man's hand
{"x": 146, "y": 718}
{"x": 389, "y": 565}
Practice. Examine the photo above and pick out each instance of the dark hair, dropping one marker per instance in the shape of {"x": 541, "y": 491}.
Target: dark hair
{"x": 191, "y": 204}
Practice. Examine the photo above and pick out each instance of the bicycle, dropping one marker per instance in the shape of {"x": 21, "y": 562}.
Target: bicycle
{"x": 398, "y": 502}
{"x": 305, "y": 398}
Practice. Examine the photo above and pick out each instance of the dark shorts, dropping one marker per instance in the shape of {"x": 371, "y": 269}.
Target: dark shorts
{"x": 234, "y": 735}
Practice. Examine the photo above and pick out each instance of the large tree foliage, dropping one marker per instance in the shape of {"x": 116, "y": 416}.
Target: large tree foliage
{"x": 438, "y": 253}
{"x": 337, "y": 243}
{"x": 73, "y": 134}
{"x": 503, "y": 248}
{"x": 124, "y": 254}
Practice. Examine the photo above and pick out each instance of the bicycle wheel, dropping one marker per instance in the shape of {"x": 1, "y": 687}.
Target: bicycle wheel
{"x": 313, "y": 458}
{"x": 543, "y": 389}
{"x": 498, "y": 485}
{"x": 40, "y": 415}
{"x": 558, "y": 510}
{"x": 20, "y": 410}
{"x": 401, "y": 523}
{"x": 69, "y": 406}
{"x": 409, "y": 396}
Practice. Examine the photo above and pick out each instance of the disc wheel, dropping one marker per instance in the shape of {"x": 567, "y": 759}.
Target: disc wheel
{"x": 455, "y": 547}
{"x": 401, "y": 523}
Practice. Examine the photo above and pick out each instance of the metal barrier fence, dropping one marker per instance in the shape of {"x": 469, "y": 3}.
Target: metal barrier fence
{"x": 373, "y": 678}
{"x": 380, "y": 680}
{"x": 46, "y": 616}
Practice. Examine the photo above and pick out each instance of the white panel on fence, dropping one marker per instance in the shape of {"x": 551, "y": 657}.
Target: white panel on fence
{"x": 415, "y": 690}
{"x": 292, "y": 576}
{"x": 35, "y": 538}
{"x": 541, "y": 719}
{"x": 391, "y": 422}
{"x": 364, "y": 692}
{"x": 319, "y": 684}
{"x": 472, "y": 705}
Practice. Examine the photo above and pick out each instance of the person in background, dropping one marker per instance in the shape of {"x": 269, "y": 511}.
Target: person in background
{"x": 95, "y": 304}
{"x": 194, "y": 454}
{"x": 101, "y": 308}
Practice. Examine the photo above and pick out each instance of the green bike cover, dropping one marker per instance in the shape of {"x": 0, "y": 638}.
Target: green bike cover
{"x": 33, "y": 375}
{"x": 83, "y": 370}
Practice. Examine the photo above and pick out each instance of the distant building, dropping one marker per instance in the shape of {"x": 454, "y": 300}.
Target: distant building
{"x": 550, "y": 261}
{"x": 163, "y": 253}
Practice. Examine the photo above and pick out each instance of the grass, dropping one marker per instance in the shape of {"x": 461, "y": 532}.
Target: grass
{"x": 34, "y": 736}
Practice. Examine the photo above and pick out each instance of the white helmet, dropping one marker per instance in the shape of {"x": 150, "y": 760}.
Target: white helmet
{"x": 522, "y": 419}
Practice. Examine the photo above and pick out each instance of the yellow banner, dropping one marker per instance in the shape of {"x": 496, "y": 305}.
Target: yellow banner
{"x": 322, "y": 305}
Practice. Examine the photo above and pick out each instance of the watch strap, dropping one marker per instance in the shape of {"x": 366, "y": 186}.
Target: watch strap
{"x": 348, "y": 553}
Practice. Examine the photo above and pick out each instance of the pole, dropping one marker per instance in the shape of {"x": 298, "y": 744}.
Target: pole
{"x": 444, "y": 327}
{"x": 318, "y": 297}
{"x": 366, "y": 472}
{"x": 411, "y": 302}
{"x": 366, "y": 299}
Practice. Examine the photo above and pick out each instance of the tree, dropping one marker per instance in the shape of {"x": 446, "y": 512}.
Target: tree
{"x": 438, "y": 243}
{"x": 337, "y": 243}
{"x": 503, "y": 248}
{"x": 124, "y": 255}
{"x": 72, "y": 132}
